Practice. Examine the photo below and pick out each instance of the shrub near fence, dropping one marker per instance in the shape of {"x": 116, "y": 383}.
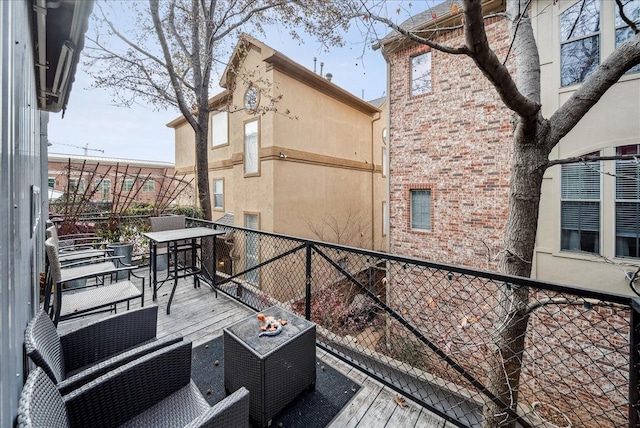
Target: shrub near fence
{"x": 427, "y": 329}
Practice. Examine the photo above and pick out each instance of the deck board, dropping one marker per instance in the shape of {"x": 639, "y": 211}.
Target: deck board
{"x": 199, "y": 316}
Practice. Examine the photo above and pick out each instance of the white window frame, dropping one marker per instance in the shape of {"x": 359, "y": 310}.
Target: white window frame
{"x": 420, "y": 79}
{"x": 627, "y": 195}
{"x": 103, "y": 188}
{"x": 252, "y": 250}
{"x": 385, "y": 161}
{"x": 218, "y": 194}
{"x": 621, "y": 27}
{"x": 578, "y": 196}
{"x": 385, "y": 219}
{"x": 149, "y": 186}
{"x": 572, "y": 14}
{"x": 251, "y": 147}
{"x": 219, "y": 128}
{"x": 76, "y": 185}
{"x": 414, "y": 211}
{"x": 128, "y": 184}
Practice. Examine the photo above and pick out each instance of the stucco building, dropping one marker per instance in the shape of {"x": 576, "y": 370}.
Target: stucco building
{"x": 291, "y": 152}
{"x": 589, "y": 226}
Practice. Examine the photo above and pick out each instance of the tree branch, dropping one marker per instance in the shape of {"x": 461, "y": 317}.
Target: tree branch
{"x": 487, "y": 61}
{"x": 610, "y": 71}
{"x": 626, "y": 19}
{"x": 585, "y": 159}
{"x": 414, "y": 37}
{"x": 182, "y": 105}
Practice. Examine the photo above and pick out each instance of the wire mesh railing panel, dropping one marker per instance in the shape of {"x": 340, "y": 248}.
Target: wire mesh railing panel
{"x": 467, "y": 344}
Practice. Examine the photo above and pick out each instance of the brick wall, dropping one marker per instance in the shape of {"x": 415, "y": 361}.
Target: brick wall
{"x": 456, "y": 141}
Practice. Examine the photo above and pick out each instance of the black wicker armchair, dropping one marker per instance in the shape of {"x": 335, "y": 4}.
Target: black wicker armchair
{"x": 153, "y": 391}
{"x": 76, "y": 358}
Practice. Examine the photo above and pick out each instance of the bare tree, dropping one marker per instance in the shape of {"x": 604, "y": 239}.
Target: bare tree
{"x": 173, "y": 48}
{"x": 534, "y": 137}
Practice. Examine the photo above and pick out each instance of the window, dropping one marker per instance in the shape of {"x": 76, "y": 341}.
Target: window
{"x": 251, "y": 147}
{"x": 51, "y": 183}
{"x": 218, "y": 194}
{"x": 580, "y": 41}
{"x": 623, "y": 31}
{"x": 128, "y": 185}
{"x": 251, "y": 98}
{"x": 421, "y": 209}
{"x": 76, "y": 185}
{"x": 580, "y": 207}
{"x": 421, "y": 74}
{"x": 219, "y": 129}
{"x": 252, "y": 257}
{"x": 385, "y": 162}
{"x": 149, "y": 186}
{"x": 103, "y": 188}
{"x": 628, "y": 203}
{"x": 385, "y": 218}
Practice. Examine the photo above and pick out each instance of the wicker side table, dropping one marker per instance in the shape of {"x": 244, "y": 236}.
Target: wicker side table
{"x": 275, "y": 369}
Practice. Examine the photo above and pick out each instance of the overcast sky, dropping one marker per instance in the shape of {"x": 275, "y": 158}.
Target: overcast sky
{"x": 141, "y": 133}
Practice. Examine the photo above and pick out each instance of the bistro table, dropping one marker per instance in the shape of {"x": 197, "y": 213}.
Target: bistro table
{"x": 174, "y": 238}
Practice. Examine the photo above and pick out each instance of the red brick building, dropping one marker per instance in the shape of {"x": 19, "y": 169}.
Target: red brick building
{"x": 140, "y": 179}
{"x": 450, "y": 142}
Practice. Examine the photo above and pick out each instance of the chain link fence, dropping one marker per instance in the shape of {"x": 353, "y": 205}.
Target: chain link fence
{"x": 444, "y": 335}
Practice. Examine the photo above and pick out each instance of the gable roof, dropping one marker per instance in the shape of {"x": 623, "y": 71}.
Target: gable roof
{"x": 287, "y": 66}
{"x": 294, "y": 70}
{"x": 441, "y": 15}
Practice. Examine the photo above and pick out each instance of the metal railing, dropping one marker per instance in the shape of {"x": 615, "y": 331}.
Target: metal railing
{"x": 430, "y": 330}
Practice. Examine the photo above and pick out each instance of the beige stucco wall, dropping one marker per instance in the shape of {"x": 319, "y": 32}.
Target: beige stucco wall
{"x": 613, "y": 122}
{"x": 320, "y": 159}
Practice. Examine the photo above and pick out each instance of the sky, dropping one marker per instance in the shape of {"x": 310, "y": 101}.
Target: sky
{"x": 92, "y": 121}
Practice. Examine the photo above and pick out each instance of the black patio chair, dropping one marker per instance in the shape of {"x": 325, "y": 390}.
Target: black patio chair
{"x": 77, "y": 247}
{"x": 78, "y": 357}
{"x": 153, "y": 391}
{"x": 103, "y": 297}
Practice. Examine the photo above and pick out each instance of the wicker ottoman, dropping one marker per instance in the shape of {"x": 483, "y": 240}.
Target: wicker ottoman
{"x": 275, "y": 369}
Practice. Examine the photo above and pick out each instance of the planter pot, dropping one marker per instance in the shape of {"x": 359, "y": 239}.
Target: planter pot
{"x": 551, "y": 416}
{"x": 162, "y": 261}
{"x": 124, "y": 249}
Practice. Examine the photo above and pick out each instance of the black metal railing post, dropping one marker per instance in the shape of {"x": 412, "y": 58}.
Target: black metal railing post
{"x": 307, "y": 300}
{"x": 634, "y": 363}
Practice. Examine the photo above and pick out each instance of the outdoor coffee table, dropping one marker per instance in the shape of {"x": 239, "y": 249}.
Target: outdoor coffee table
{"x": 275, "y": 369}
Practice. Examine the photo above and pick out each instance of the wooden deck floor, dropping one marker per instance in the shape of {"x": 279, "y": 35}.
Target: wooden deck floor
{"x": 199, "y": 316}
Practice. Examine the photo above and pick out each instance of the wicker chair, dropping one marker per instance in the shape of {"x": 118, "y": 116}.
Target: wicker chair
{"x": 76, "y": 358}
{"x": 77, "y": 247}
{"x": 153, "y": 391}
{"x": 87, "y": 300}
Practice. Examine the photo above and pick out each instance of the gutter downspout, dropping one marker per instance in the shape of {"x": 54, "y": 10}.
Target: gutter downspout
{"x": 373, "y": 184}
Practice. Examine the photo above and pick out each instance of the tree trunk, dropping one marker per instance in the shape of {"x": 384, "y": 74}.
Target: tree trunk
{"x": 202, "y": 165}
{"x": 505, "y": 357}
